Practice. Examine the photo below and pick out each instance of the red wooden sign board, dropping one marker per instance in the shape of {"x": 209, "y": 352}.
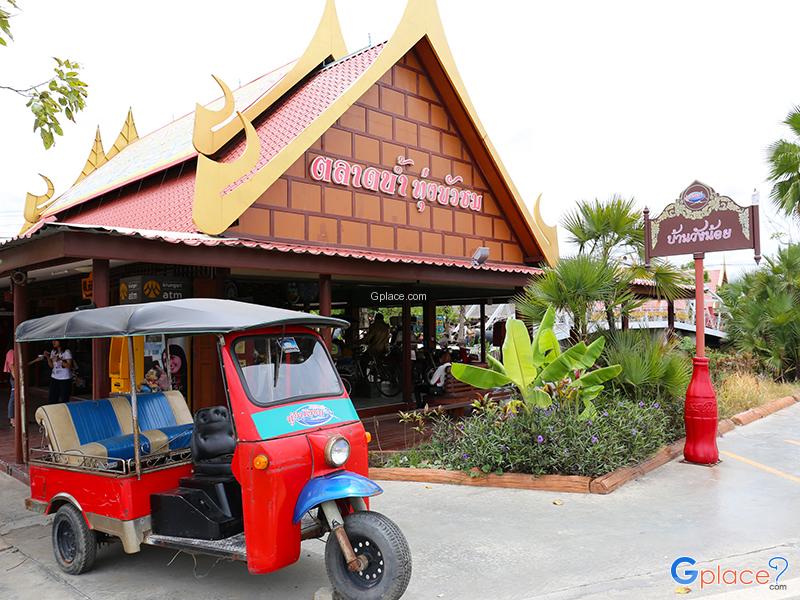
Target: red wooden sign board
{"x": 700, "y": 221}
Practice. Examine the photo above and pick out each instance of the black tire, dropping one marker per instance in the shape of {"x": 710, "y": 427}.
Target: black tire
{"x": 74, "y": 544}
{"x": 389, "y": 569}
{"x": 387, "y": 381}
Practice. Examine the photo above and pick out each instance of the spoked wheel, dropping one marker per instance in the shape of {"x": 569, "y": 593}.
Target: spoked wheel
{"x": 388, "y": 381}
{"x": 388, "y": 569}
{"x": 74, "y": 544}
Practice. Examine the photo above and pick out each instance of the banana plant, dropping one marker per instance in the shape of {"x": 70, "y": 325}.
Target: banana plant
{"x": 540, "y": 371}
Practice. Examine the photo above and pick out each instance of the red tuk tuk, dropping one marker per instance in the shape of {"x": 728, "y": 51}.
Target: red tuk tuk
{"x": 283, "y": 458}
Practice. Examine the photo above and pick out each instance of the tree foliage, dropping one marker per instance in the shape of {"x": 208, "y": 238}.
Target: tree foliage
{"x": 62, "y": 95}
{"x": 763, "y": 312}
{"x": 610, "y": 240}
{"x": 784, "y": 162}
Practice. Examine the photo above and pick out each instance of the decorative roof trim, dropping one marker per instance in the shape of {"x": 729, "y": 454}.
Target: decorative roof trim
{"x": 97, "y": 157}
{"x": 126, "y": 135}
{"x": 214, "y": 129}
{"x": 36, "y": 205}
{"x": 213, "y": 214}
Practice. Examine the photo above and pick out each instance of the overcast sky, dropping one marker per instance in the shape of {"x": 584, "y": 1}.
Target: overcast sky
{"x": 581, "y": 99}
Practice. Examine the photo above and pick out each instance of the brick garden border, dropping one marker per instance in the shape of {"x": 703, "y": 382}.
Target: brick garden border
{"x": 604, "y": 484}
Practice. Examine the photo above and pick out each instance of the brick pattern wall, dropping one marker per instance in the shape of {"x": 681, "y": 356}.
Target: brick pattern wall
{"x": 400, "y": 115}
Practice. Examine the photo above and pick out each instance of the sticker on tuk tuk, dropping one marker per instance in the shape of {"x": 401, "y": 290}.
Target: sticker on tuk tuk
{"x": 292, "y": 418}
{"x": 310, "y": 415}
{"x": 289, "y": 345}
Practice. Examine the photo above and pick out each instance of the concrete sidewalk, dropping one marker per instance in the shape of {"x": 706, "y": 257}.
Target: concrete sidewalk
{"x": 482, "y": 543}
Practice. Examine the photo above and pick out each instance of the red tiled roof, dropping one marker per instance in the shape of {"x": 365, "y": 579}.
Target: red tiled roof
{"x": 302, "y": 108}
{"x": 162, "y": 202}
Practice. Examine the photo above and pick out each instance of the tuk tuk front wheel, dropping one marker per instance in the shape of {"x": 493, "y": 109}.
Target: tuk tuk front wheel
{"x": 388, "y": 569}
{"x": 74, "y": 544}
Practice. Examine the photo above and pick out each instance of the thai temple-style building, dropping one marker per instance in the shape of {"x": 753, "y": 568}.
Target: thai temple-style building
{"x": 311, "y": 187}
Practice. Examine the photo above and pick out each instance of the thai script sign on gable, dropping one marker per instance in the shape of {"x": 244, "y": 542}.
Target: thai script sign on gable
{"x": 395, "y": 182}
{"x": 701, "y": 220}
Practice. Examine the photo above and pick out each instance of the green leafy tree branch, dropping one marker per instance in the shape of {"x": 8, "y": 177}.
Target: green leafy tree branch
{"x": 62, "y": 95}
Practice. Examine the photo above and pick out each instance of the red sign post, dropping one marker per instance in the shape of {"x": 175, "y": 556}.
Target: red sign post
{"x": 701, "y": 221}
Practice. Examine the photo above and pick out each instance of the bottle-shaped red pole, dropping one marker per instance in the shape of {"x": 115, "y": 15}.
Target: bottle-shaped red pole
{"x": 700, "y": 410}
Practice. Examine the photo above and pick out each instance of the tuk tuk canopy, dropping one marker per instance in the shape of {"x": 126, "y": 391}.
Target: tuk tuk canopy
{"x": 189, "y": 316}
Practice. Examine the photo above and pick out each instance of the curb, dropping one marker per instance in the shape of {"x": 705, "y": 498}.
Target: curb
{"x": 603, "y": 484}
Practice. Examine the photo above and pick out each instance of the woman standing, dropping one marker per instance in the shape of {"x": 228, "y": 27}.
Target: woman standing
{"x": 8, "y": 367}
{"x": 60, "y": 361}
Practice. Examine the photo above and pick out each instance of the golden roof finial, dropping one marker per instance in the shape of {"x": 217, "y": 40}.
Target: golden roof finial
{"x": 126, "y": 135}
{"x": 214, "y": 128}
{"x": 35, "y": 205}
{"x": 210, "y": 213}
{"x": 206, "y": 119}
{"x": 96, "y": 159}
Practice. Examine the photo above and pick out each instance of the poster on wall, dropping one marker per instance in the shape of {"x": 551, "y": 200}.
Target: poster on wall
{"x": 179, "y": 365}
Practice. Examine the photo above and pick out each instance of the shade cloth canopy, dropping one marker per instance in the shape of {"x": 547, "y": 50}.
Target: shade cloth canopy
{"x": 170, "y": 317}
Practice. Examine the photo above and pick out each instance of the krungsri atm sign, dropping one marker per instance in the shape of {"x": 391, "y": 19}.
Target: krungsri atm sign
{"x": 701, "y": 220}
{"x": 395, "y": 182}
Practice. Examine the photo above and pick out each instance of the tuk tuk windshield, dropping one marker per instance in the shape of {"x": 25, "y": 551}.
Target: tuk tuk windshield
{"x": 279, "y": 368}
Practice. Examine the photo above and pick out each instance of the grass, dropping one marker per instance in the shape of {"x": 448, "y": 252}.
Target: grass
{"x": 742, "y": 391}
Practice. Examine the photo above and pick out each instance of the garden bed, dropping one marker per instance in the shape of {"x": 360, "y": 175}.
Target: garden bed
{"x": 603, "y": 484}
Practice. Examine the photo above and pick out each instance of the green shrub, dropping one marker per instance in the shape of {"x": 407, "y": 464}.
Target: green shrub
{"x": 539, "y": 372}
{"x": 496, "y": 439}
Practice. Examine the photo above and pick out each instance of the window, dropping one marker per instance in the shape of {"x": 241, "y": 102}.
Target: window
{"x": 278, "y": 368}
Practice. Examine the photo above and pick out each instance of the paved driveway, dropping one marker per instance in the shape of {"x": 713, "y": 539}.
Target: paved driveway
{"x": 482, "y": 543}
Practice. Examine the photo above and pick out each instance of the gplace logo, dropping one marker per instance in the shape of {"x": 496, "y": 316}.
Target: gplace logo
{"x": 719, "y": 576}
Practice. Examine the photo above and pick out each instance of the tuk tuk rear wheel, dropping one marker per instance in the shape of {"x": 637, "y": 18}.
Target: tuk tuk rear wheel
{"x": 388, "y": 569}
{"x": 74, "y": 544}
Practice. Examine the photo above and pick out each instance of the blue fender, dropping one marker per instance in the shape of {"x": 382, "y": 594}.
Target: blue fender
{"x": 342, "y": 484}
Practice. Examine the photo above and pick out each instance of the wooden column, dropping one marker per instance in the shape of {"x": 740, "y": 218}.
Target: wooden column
{"x": 408, "y": 390}
{"x": 101, "y": 384}
{"x": 207, "y": 389}
{"x": 670, "y": 317}
{"x": 20, "y": 293}
{"x": 483, "y": 332}
{"x": 429, "y": 324}
{"x": 325, "y": 299}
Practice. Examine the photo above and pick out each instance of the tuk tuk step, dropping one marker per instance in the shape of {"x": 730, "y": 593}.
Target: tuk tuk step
{"x": 232, "y": 548}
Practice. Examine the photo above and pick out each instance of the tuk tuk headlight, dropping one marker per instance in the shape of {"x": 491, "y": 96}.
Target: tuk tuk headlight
{"x": 337, "y": 451}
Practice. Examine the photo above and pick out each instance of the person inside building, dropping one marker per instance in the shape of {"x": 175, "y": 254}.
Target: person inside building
{"x": 9, "y": 368}
{"x": 59, "y": 359}
{"x": 377, "y": 337}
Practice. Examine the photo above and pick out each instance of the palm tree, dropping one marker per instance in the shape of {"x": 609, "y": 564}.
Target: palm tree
{"x": 574, "y": 285}
{"x": 610, "y": 240}
{"x": 784, "y": 161}
{"x": 763, "y": 312}
{"x": 608, "y": 227}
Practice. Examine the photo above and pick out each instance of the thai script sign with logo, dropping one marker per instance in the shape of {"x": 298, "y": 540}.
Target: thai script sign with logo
{"x": 151, "y": 288}
{"x": 701, "y": 220}
{"x": 396, "y": 183}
